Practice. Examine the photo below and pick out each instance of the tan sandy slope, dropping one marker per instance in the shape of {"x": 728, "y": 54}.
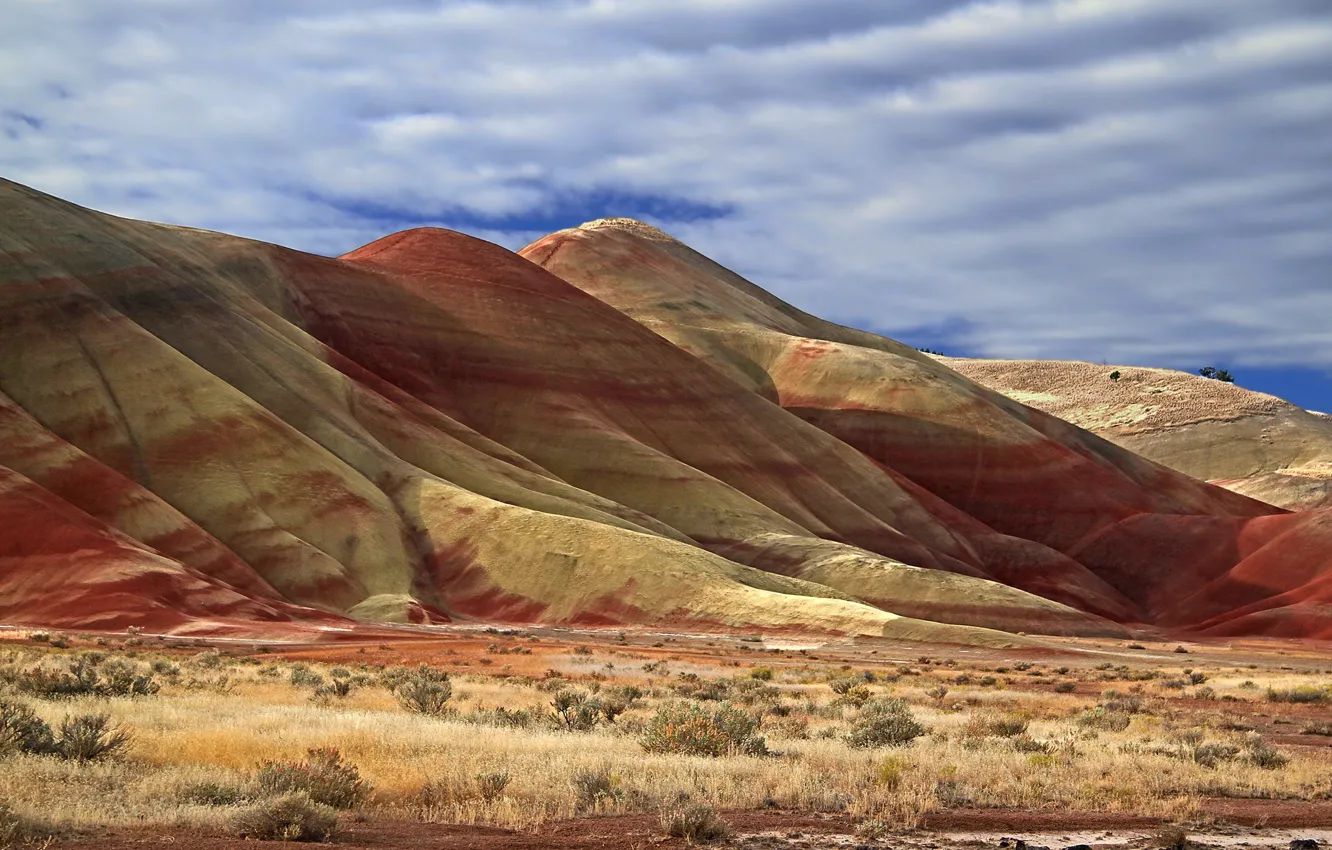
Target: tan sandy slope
{"x": 1249, "y": 442}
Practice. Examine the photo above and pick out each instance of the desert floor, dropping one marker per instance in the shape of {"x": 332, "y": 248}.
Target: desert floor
{"x": 1108, "y": 743}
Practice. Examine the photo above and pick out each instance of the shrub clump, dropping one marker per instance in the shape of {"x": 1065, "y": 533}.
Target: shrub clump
{"x": 1104, "y": 720}
{"x": 578, "y": 711}
{"x": 693, "y": 822}
{"x": 87, "y": 675}
{"x": 89, "y": 737}
{"x": 592, "y": 785}
{"x": 425, "y": 690}
{"x": 292, "y": 817}
{"x": 884, "y": 723}
{"x": 1263, "y": 754}
{"x": 21, "y": 730}
{"x": 323, "y": 778}
{"x": 83, "y": 737}
{"x": 687, "y": 729}
{"x": 1300, "y": 694}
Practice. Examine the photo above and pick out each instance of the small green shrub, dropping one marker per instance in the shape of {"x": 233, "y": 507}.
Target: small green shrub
{"x": 323, "y": 777}
{"x": 293, "y": 817}
{"x": 1028, "y": 744}
{"x": 578, "y": 711}
{"x": 1002, "y": 726}
{"x": 507, "y": 718}
{"x": 694, "y": 822}
{"x": 1299, "y": 694}
{"x": 1262, "y": 754}
{"x": 90, "y": 737}
{"x": 593, "y": 785}
{"x": 1104, "y": 720}
{"x": 687, "y": 729}
{"x": 1210, "y": 754}
{"x": 21, "y": 730}
{"x": 425, "y": 690}
{"x": 302, "y": 676}
{"x": 87, "y": 675}
{"x": 884, "y": 723}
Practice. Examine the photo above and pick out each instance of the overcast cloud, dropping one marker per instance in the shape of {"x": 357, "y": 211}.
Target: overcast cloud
{"x": 1143, "y": 181}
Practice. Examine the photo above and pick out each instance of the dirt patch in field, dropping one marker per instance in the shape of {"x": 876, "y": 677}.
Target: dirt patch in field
{"x": 1243, "y": 823}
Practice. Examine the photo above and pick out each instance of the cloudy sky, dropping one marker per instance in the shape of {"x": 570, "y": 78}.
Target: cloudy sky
{"x": 1130, "y": 181}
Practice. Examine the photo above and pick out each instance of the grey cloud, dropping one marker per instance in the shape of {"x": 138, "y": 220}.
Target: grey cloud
{"x": 1131, "y": 179}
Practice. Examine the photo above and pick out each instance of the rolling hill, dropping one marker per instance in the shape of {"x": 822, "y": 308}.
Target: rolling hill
{"x": 203, "y": 432}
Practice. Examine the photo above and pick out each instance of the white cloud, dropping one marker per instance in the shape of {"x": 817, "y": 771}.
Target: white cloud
{"x": 1136, "y": 180}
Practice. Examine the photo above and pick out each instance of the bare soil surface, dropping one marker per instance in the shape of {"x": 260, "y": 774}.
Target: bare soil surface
{"x": 1223, "y": 823}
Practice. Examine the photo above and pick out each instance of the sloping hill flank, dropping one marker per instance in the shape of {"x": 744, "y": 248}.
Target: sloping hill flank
{"x": 163, "y": 395}
{"x": 1249, "y": 442}
{"x": 202, "y": 431}
{"x": 1048, "y": 503}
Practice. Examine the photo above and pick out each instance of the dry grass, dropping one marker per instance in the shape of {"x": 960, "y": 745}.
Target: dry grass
{"x": 444, "y": 769}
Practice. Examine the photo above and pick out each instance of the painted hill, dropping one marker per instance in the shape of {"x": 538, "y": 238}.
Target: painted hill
{"x": 202, "y": 432}
{"x": 1181, "y": 552}
{"x": 1246, "y": 441}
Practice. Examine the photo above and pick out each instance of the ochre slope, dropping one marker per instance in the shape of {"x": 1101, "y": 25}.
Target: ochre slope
{"x": 168, "y": 370}
{"x": 61, "y": 567}
{"x": 1019, "y": 471}
{"x": 216, "y": 430}
{"x": 1245, "y": 441}
{"x": 667, "y": 435}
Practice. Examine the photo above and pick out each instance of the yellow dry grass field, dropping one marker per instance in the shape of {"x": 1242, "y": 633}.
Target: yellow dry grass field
{"x": 537, "y": 726}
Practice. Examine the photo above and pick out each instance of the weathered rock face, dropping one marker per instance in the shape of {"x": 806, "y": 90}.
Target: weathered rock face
{"x": 199, "y": 431}
{"x": 1245, "y": 441}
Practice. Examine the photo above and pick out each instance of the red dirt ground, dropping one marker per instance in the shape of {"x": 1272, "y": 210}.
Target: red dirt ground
{"x": 641, "y": 831}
